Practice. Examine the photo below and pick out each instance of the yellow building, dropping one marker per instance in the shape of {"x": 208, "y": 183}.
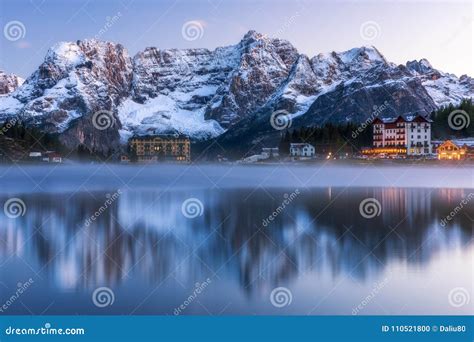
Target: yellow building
{"x": 448, "y": 150}
{"x": 153, "y": 148}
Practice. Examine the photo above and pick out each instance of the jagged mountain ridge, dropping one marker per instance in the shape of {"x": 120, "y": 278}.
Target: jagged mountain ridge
{"x": 203, "y": 93}
{"x": 444, "y": 88}
{"x": 74, "y": 81}
{"x": 9, "y": 82}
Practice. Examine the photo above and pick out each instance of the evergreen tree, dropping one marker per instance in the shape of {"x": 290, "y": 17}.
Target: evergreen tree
{"x": 284, "y": 146}
{"x": 452, "y": 122}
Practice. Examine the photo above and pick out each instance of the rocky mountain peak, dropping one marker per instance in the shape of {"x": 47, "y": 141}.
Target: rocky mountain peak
{"x": 9, "y": 82}
{"x": 444, "y": 88}
{"x": 337, "y": 66}
{"x": 75, "y": 80}
{"x": 202, "y": 93}
{"x": 364, "y": 54}
{"x": 421, "y": 66}
{"x": 67, "y": 54}
{"x": 251, "y": 37}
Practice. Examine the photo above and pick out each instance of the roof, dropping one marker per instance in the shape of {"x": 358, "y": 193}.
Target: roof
{"x": 54, "y": 155}
{"x": 160, "y": 136}
{"x": 300, "y": 145}
{"x": 461, "y": 142}
{"x": 408, "y": 118}
{"x": 417, "y": 118}
{"x": 469, "y": 142}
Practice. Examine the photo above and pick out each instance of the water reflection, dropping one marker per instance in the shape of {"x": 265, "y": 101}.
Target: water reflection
{"x": 142, "y": 239}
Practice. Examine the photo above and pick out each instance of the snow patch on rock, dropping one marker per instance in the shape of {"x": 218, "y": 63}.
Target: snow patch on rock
{"x": 162, "y": 115}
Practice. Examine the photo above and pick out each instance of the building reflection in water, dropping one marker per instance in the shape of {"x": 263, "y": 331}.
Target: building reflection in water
{"x": 144, "y": 237}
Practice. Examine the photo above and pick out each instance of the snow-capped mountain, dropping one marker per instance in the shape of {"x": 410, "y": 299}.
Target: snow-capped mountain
{"x": 224, "y": 92}
{"x": 444, "y": 88}
{"x": 74, "y": 81}
{"x": 9, "y": 82}
{"x": 200, "y": 92}
{"x": 360, "y": 81}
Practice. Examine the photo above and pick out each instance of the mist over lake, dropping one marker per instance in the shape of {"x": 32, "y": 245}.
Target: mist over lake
{"x": 168, "y": 177}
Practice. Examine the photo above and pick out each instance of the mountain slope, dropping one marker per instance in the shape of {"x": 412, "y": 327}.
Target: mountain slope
{"x": 444, "y": 88}
{"x": 75, "y": 81}
{"x": 230, "y": 92}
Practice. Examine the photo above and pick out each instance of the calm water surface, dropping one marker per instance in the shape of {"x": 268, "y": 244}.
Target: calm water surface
{"x": 152, "y": 256}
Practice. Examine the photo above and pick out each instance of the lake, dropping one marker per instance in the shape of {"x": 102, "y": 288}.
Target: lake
{"x": 278, "y": 239}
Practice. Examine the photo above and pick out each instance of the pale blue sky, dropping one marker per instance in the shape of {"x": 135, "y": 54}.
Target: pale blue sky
{"x": 441, "y": 31}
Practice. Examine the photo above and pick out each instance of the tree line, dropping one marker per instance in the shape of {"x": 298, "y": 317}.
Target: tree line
{"x": 30, "y": 136}
{"x": 347, "y": 138}
{"x": 454, "y": 121}
{"x": 449, "y": 122}
{"x": 33, "y": 138}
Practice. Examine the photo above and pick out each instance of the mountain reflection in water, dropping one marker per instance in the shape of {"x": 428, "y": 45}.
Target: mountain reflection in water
{"x": 152, "y": 255}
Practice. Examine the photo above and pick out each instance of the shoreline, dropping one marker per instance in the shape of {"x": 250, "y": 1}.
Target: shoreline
{"x": 348, "y": 161}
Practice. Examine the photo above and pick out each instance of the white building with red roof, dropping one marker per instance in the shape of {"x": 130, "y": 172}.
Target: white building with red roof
{"x": 411, "y": 134}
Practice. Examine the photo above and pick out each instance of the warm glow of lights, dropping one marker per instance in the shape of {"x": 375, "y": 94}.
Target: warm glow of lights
{"x": 384, "y": 150}
{"x": 450, "y": 151}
